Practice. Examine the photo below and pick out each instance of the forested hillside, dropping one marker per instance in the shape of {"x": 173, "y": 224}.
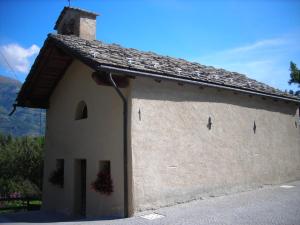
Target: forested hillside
{"x": 24, "y": 122}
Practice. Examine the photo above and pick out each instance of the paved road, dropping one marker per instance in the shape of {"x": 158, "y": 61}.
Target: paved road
{"x": 271, "y": 205}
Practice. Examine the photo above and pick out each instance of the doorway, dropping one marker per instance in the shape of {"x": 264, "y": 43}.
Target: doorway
{"x": 80, "y": 187}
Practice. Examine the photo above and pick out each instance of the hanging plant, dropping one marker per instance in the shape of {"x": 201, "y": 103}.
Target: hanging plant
{"x": 57, "y": 177}
{"x": 103, "y": 183}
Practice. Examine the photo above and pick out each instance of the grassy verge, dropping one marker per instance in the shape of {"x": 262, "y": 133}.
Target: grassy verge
{"x": 15, "y": 206}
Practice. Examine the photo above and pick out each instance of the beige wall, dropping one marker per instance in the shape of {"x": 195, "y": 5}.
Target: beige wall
{"x": 173, "y": 156}
{"x": 176, "y": 158}
{"x": 97, "y": 138}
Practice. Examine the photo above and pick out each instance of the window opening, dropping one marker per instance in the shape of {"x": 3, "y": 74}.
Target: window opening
{"x": 81, "y": 111}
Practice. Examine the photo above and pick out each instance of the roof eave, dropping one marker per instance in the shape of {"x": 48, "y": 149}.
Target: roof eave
{"x": 192, "y": 81}
{"x": 23, "y": 98}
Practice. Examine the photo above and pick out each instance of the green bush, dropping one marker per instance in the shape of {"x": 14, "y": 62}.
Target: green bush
{"x": 21, "y": 165}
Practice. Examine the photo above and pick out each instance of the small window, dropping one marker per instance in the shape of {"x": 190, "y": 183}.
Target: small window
{"x": 103, "y": 183}
{"x": 57, "y": 176}
{"x": 104, "y": 166}
{"x": 81, "y": 111}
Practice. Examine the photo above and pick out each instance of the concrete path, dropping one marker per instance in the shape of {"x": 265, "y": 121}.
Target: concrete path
{"x": 273, "y": 205}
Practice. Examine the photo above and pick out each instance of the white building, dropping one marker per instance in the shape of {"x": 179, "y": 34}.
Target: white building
{"x": 164, "y": 130}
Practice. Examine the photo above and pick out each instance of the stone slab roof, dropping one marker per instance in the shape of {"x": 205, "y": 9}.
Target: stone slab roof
{"x": 59, "y": 51}
{"x": 97, "y": 53}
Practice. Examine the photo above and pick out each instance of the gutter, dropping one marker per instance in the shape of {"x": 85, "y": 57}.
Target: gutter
{"x": 125, "y": 125}
{"x": 112, "y": 69}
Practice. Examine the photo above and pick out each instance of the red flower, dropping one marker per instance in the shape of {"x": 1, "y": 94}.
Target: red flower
{"x": 103, "y": 183}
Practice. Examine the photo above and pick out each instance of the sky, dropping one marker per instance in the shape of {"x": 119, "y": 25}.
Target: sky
{"x": 258, "y": 38}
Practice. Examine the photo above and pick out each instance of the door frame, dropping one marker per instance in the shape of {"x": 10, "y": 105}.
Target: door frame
{"x": 80, "y": 168}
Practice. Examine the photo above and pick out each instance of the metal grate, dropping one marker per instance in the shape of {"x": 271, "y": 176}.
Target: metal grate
{"x": 287, "y": 186}
{"x": 152, "y": 216}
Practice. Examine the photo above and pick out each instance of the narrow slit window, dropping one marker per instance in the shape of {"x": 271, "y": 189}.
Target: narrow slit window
{"x": 81, "y": 111}
{"x": 60, "y": 164}
{"x": 60, "y": 167}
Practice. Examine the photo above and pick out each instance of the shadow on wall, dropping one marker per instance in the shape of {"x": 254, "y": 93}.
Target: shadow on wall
{"x": 168, "y": 91}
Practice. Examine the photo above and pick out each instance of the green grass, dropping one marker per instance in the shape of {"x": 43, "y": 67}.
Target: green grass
{"x": 34, "y": 205}
{"x": 36, "y": 202}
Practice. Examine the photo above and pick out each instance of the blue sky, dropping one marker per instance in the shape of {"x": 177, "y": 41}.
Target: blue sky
{"x": 257, "y": 38}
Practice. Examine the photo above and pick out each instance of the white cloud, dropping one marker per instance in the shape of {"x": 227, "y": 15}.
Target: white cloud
{"x": 258, "y": 45}
{"x": 264, "y": 60}
{"x": 18, "y": 57}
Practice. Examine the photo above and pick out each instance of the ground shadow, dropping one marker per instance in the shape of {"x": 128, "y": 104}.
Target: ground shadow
{"x": 46, "y": 217}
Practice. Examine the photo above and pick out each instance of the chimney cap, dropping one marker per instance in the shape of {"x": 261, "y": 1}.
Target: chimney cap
{"x": 81, "y": 11}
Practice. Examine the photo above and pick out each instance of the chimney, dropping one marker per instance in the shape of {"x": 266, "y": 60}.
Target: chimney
{"x": 78, "y": 22}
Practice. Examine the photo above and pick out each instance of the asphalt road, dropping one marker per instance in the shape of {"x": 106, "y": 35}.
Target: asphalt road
{"x": 271, "y": 205}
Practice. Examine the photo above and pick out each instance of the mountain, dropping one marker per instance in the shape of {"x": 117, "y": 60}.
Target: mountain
{"x": 25, "y": 121}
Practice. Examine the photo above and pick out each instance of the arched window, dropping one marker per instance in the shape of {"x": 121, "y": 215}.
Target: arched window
{"x": 81, "y": 111}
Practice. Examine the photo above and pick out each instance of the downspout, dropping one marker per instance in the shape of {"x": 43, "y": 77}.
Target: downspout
{"x": 13, "y": 110}
{"x": 125, "y": 112}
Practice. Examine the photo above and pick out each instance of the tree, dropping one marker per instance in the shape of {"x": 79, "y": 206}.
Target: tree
{"x": 21, "y": 165}
{"x": 295, "y": 74}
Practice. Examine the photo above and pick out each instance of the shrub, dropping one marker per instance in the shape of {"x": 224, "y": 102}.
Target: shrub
{"x": 21, "y": 165}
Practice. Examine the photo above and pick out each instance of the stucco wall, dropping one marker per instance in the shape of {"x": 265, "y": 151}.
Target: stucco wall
{"x": 87, "y": 28}
{"x": 176, "y": 158}
{"x": 99, "y": 137}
